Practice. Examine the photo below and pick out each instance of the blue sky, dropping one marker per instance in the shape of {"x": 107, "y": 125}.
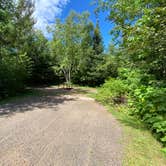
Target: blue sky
{"x": 48, "y": 10}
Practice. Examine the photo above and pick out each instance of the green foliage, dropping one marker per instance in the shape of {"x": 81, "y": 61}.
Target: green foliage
{"x": 149, "y": 104}
{"x": 113, "y": 91}
{"x": 66, "y": 44}
{"x": 15, "y": 64}
{"x": 92, "y": 67}
{"x": 77, "y": 49}
{"x": 24, "y": 53}
{"x": 92, "y": 71}
{"x": 97, "y": 41}
{"x": 42, "y": 71}
{"x": 140, "y": 31}
{"x": 16, "y": 38}
{"x": 147, "y": 37}
{"x": 14, "y": 72}
{"x": 131, "y": 77}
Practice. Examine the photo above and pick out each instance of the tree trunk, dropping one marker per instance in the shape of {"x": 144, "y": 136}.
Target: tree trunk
{"x": 67, "y": 75}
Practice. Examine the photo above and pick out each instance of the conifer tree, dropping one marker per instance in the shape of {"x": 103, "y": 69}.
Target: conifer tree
{"x": 97, "y": 40}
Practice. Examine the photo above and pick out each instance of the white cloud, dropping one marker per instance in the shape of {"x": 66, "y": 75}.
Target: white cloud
{"x": 46, "y": 11}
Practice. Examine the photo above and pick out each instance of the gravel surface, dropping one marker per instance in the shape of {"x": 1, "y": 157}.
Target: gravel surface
{"x": 58, "y": 130}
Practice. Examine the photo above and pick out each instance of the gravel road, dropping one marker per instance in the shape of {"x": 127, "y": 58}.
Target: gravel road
{"x": 58, "y": 130}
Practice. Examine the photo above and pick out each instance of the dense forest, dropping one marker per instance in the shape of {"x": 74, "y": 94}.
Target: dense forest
{"x": 132, "y": 72}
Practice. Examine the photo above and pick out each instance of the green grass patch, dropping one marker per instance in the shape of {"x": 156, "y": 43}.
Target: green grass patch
{"x": 85, "y": 90}
{"x": 140, "y": 147}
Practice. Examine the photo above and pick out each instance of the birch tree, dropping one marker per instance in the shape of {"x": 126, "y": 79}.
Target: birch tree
{"x": 67, "y": 42}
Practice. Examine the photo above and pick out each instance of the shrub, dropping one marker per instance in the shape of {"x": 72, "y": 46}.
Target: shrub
{"x": 113, "y": 91}
{"x": 131, "y": 77}
{"x": 149, "y": 104}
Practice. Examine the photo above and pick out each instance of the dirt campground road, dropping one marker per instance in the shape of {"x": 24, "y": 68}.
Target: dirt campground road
{"x": 67, "y": 129}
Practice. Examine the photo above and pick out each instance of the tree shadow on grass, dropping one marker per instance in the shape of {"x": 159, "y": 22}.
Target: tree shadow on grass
{"x": 133, "y": 122}
{"x": 46, "y": 98}
{"x": 128, "y": 120}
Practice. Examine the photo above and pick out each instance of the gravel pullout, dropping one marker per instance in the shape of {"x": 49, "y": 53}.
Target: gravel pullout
{"x": 62, "y": 130}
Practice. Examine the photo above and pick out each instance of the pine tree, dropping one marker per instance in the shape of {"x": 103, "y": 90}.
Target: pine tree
{"x": 6, "y": 23}
{"x": 24, "y": 23}
{"x": 97, "y": 40}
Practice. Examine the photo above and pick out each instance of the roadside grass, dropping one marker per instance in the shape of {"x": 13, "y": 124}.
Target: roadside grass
{"x": 140, "y": 147}
{"x": 89, "y": 91}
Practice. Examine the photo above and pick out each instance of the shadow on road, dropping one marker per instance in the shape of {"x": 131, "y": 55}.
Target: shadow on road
{"x": 48, "y": 98}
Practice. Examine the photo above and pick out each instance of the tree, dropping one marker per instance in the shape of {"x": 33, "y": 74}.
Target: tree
{"x": 66, "y": 44}
{"x": 145, "y": 42}
{"x": 91, "y": 54}
{"x": 140, "y": 26}
{"x": 6, "y": 25}
{"x": 14, "y": 63}
{"x": 24, "y": 23}
{"x": 86, "y": 53}
{"x": 25, "y": 53}
{"x": 97, "y": 41}
{"x": 42, "y": 71}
